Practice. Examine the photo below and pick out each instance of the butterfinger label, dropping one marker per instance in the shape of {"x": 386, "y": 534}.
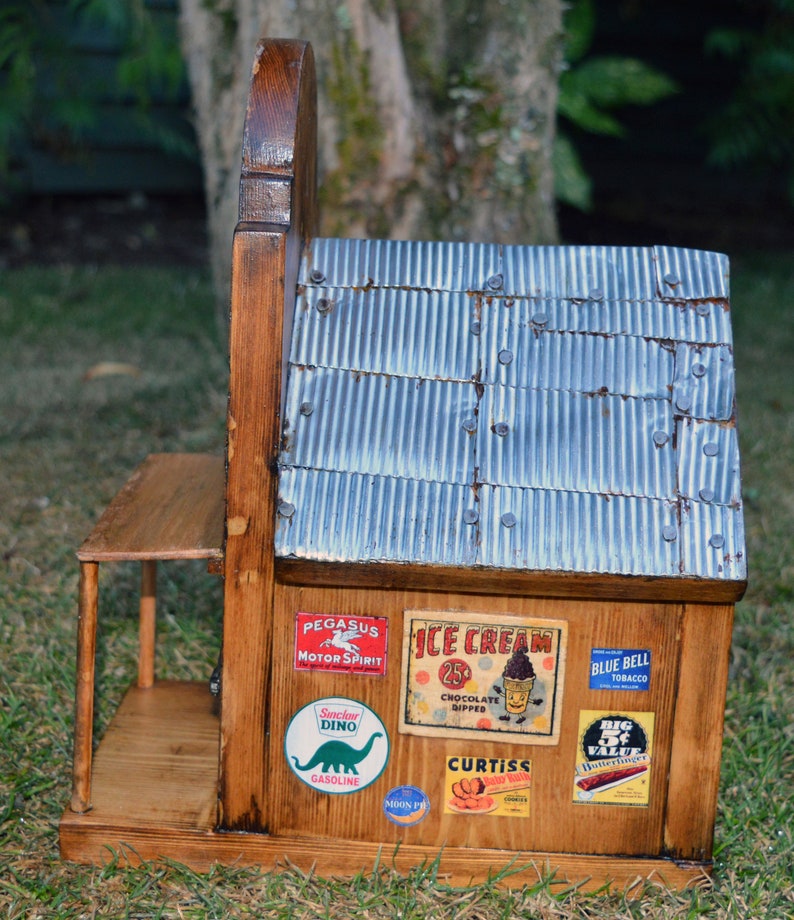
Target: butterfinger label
{"x": 592, "y": 769}
{"x": 614, "y": 758}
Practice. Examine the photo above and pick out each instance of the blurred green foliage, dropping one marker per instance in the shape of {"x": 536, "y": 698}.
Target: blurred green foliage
{"x": 591, "y": 89}
{"x": 48, "y": 99}
{"x": 756, "y": 126}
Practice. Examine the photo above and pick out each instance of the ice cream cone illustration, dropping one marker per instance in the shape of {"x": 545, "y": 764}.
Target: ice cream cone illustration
{"x": 517, "y": 694}
{"x": 518, "y": 678}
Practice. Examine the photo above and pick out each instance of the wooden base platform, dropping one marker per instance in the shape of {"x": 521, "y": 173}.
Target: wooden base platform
{"x": 154, "y": 797}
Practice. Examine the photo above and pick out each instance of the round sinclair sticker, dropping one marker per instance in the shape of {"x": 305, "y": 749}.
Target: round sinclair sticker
{"x": 336, "y": 745}
{"x": 406, "y": 805}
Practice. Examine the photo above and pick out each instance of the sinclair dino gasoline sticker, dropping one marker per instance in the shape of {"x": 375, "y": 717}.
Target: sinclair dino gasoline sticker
{"x": 487, "y": 786}
{"x": 614, "y": 758}
{"x": 336, "y": 745}
{"x": 330, "y": 642}
{"x": 468, "y": 675}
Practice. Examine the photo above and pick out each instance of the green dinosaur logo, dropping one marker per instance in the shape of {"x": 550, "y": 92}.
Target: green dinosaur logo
{"x": 322, "y": 745}
{"x": 337, "y": 756}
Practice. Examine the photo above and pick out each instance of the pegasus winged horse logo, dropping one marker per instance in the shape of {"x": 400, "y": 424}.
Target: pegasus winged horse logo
{"x": 343, "y": 638}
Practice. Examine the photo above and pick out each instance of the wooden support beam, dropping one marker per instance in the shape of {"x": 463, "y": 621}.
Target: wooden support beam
{"x": 277, "y": 213}
{"x": 697, "y": 731}
{"x": 147, "y": 627}
{"x": 84, "y": 686}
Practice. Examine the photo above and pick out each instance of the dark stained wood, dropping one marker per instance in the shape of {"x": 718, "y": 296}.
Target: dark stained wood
{"x": 555, "y": 822}
{"x": 170, "y": 508}
{"x": 85, "y": 839}
{"x": 500, "y": 581}
{"x": 278, "y": 183}
{"x": 259, "y": 264}
{"x": 158, "y": 759}
{"x": 279, "y": 151}
{"x": 174, "y": 776}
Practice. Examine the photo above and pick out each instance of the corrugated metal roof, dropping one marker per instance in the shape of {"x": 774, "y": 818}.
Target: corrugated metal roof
{"x": 597, "y": 273}
{"x": 343, "y": 517}
{"x": 708, "y": 462}
{"x": 563, "y": 409}
{"x": 537, "y": 529}
{"x": 342, "y": 420}
{"x": 703, "y": 383}
{"x": 565, "y": 440}
{"x": 618, "y": 365}
{"x": 410, "y": 333}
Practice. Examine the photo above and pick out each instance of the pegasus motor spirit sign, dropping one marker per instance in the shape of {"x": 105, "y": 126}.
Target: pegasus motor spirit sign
{"x": 339, "y": 643}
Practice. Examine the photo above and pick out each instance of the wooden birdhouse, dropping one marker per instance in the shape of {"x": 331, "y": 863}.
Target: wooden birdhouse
{"x": 481, "y": 540}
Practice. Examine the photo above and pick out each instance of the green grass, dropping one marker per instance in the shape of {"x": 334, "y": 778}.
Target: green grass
{"x": 69, "y": 438}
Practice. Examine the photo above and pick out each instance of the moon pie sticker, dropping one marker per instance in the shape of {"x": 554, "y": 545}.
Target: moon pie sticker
{"x": 406, "y": 805}
{"x": 336, "y": 745}
{"x": 614, "y": 758}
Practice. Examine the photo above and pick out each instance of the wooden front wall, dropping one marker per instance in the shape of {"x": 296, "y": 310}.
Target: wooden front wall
{"x": 688, "y": 646}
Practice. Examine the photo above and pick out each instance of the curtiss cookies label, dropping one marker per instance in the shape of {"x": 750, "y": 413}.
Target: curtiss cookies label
{"x": 487, "y": 786}
{"x": 614, "y": 758}
{"x": 467, "y": 675}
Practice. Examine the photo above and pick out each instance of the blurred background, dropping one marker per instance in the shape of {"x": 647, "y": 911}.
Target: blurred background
{"x": 675, "y": 121}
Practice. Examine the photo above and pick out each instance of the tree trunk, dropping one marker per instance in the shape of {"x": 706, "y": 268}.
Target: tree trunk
{"x": 436, "y": 117}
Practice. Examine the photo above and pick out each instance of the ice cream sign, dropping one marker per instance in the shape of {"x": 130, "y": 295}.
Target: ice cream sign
{"x": 465, "y": 675}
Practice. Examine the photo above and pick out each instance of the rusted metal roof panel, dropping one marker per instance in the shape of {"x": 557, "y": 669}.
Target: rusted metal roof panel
{"x": 693, "y": 275}
{"x": 599, "y": 273}
{"x": 712, "y": 541}
{"x": 364, "y": 264}
{"x": 417, "y": 433}
{"x": 708, "y": 462}
{"x": 703, "y": 386}
{"x": 341, "y": 517}
{"x": 567, "y": 441}
{"x": 562, "y": 409}
{"x": 588, "y": 363}
{"x": 666, "y": 322}
{"x": 331, "y": 517}
{"x": 552, "y": 530}
{"x": 402, "y": 332}
{"x": 581, "y": 273}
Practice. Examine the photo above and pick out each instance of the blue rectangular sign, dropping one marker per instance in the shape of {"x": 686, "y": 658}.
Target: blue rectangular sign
{"x": 620, "y": 669}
